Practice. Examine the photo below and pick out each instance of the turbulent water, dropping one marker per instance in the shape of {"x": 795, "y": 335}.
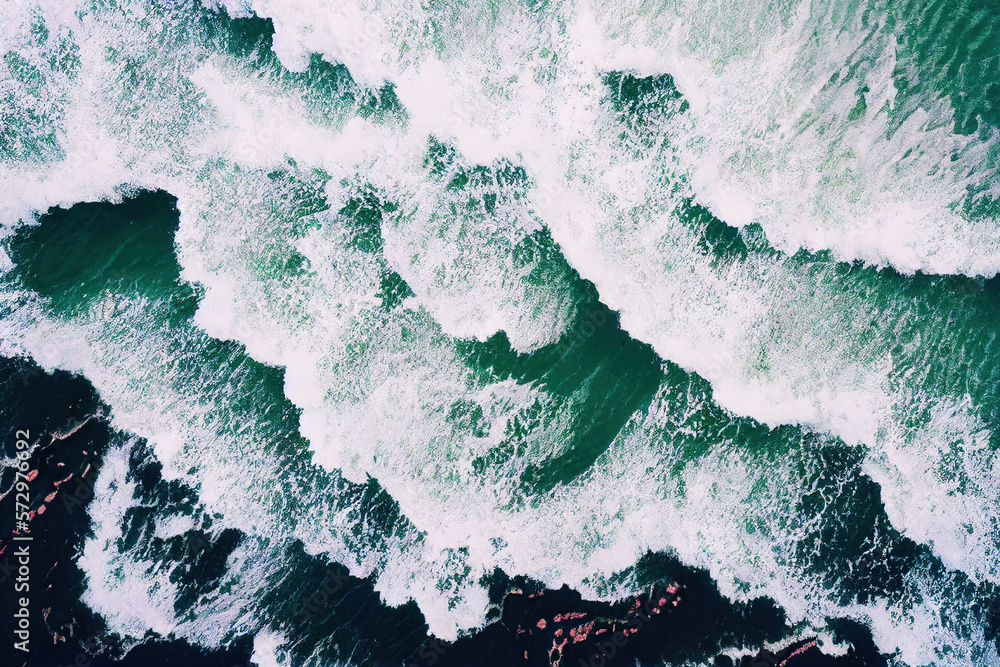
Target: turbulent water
{"x": 434, "y": 289}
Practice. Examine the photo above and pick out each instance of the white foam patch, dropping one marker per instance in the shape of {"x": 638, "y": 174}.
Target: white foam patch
{"x": 460, "y": 264}
{"x": 175, "y": 525}
{"x": 939, "y": 487}
{"x": 111, "y": 578}
{"x": 267, "y": 650}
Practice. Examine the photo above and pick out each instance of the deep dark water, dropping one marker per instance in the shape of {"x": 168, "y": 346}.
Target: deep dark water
{"x": 323, "y": 601}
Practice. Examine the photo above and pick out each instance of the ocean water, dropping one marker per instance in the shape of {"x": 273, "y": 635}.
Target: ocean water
{"x": 427, "y": 292}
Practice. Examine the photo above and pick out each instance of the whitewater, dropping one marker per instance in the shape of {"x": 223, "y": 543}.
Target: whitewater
{"x": 526, "y": 285}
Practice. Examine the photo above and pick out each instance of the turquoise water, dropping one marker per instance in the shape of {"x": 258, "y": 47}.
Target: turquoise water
{"x": 428, "y": 292}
